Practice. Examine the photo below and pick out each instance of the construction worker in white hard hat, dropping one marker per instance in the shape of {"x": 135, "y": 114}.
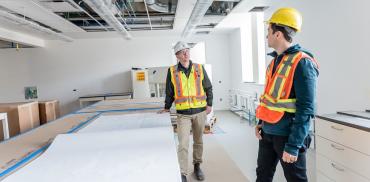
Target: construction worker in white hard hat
{"x": 287, "y": 104}
{"x": 190, "y": 88}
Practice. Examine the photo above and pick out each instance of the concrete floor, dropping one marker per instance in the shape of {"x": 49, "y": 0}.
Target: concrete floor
{"x": 241, "y": 145}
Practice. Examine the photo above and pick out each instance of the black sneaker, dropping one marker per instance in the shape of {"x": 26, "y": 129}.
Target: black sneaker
{"x": 198, "y": 172}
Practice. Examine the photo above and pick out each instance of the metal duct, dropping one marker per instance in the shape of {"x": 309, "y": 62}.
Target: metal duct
{"x": 156, "y": 6}
{"x": 107, "y": 15}
{"x": 197, "y": 14}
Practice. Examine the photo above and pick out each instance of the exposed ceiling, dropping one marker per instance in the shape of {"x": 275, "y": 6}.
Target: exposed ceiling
{"x": 78, "y": 17}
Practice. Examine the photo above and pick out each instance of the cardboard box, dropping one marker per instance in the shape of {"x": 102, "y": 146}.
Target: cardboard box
{"x": 22, "y": 116}
{"x": 49, "y": 111}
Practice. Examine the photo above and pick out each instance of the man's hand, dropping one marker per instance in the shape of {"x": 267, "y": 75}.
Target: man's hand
{"x": 288, "y": 158}
{"x": 208, "y": 109}
{"x": 163, "y": 111}
{"x": 258, "y": 131}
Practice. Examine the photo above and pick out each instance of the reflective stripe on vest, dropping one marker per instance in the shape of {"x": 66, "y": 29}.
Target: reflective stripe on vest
{"x": 189, "y": 99}
{"x": 275, "y": 101}
{"x": 282, "y": 74}
{"x": 287, "y": 105}
{"x": 177, "y": 80}
{"x": 197, "y": 78}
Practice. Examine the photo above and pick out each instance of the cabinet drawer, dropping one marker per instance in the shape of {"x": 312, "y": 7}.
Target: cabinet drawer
{"x": 350, "y": 137}
{"x": 345, "y": 156}
{"x": 320, "y": 177}
{"x": 337, "y": 172}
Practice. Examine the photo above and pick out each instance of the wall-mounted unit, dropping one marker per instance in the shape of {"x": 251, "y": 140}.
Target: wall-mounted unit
{"x": 140, "y": 83}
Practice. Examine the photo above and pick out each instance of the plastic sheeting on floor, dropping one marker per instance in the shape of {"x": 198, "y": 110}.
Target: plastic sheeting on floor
{"x": 109, "y": 150}
{"x": 129, "y": 121}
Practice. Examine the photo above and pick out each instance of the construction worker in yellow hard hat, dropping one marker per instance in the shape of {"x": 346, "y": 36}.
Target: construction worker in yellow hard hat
{"x": 288, "y": 103}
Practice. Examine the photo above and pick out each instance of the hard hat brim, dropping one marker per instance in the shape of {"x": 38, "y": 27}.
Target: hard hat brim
{"x": 269, "y": 22}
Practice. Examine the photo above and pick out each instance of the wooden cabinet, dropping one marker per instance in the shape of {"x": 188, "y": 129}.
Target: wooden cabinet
{"x": 342, "y": 148}
{"x": 22, "y": 116}
{"x": 49, "y": 111}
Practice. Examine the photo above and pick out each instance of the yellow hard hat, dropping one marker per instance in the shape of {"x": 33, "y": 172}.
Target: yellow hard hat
{"x": 288, "y": 17}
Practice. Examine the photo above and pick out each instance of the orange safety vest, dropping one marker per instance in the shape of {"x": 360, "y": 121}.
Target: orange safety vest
{"x": 275, "y": 100}
{"x": 189, "y": 92}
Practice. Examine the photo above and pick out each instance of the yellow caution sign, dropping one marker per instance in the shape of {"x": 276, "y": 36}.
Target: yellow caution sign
{"x": 140, "y": 76}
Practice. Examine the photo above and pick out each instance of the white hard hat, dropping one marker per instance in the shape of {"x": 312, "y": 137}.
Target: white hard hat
{"x": 180, "y": 46}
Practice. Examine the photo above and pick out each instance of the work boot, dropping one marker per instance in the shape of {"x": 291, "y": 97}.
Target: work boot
{"x": 183, "y": 178}
{"x": 198, "y": 172}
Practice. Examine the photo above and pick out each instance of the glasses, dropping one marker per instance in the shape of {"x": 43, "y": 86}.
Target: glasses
{"x": 183, "y": 51}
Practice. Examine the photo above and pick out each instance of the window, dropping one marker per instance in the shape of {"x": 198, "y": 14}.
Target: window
{"x": 253, "y": 55}
{"x": 246, "y": 49}
{"x": 261, "y": 47}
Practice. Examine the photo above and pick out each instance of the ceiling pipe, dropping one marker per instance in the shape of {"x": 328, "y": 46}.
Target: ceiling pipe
{"x": 196, "y": 16}
{"x": 107, "y": 15}
{"x": 147, "y": 12}
{"x": 26, "y": 23}
{"x": 132, "y": 9}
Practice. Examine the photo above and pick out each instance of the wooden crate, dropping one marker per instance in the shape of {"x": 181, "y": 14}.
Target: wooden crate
{"x": 49, "y": 111}
{"x": 22, "y": 116}
{"x": 209, "y": 127}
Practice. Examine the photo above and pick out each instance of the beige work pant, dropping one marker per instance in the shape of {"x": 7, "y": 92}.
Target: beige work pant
{"x": 185, "y": 123}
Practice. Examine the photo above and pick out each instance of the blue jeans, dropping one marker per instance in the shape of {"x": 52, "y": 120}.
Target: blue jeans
{"x": 270, "y": 152}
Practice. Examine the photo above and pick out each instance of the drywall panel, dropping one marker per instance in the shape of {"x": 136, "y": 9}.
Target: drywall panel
{"x": 129, "y": 121}
{"x": 134, "y": 155}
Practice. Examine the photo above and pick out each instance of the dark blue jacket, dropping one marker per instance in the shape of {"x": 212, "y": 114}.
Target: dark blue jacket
{"x": 296, "y": 125}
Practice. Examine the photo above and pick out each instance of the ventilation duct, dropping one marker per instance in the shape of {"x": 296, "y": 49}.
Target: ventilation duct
{"x": 203, "y": 32}
{"x": 26, "y": 23}
{"x": 196, "y": 16}
{"x": 100, "y": 7}
{"x": 163, "y": 8}
{"x": 258, "y": 9}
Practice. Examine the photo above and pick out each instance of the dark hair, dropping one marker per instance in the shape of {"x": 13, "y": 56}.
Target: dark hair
{"x": 282, "y": 29}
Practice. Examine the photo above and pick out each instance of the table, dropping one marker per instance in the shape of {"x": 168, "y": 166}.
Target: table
{"x": 100, "y": 97}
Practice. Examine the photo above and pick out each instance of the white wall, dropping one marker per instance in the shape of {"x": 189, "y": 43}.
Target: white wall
{"x": 337, "y": 32}
{"x": 94, "y": 66}
{"x": 14, "y": 74}
{"x": 217, "y": 54}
